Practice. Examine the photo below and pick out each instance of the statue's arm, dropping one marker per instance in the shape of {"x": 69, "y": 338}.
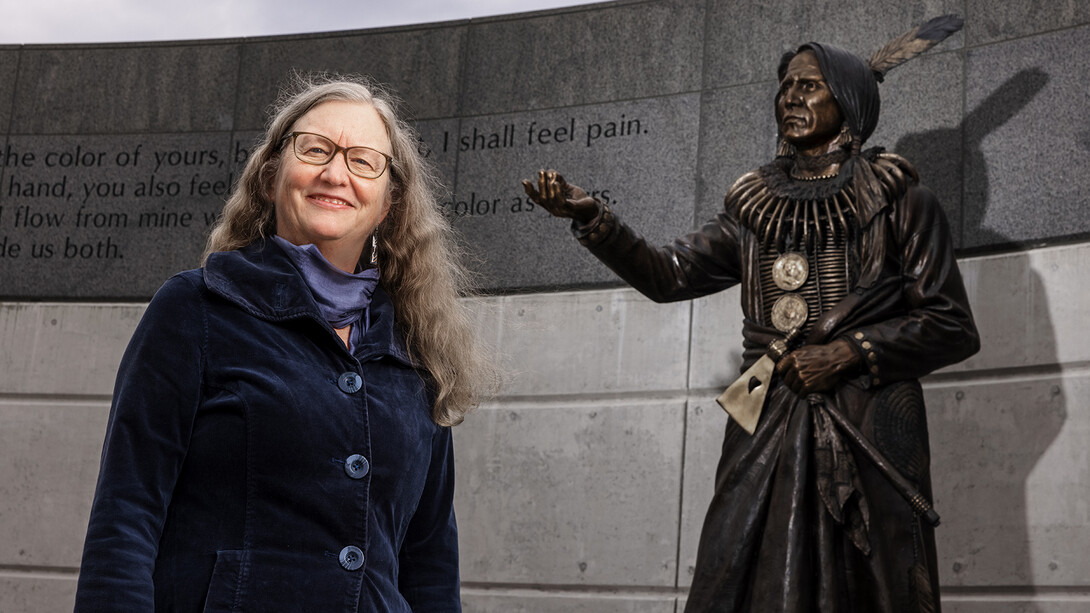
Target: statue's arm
{"x": 694, "y": 265}
{"x": 937, "y": 328}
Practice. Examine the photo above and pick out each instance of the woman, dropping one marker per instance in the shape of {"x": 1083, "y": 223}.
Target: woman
{"x": 279, "y": 438}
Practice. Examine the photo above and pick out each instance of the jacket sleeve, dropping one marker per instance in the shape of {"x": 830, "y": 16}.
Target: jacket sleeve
{"x": 155, "y": 398}
{"x": 695, "y": 265}
{"x": 934, "y": 327}
{"x": 428, "y": 576}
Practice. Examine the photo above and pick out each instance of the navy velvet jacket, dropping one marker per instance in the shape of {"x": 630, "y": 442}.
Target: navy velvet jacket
{"x": 252, "y": 463}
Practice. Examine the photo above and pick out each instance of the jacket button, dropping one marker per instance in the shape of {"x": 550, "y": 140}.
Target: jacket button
{"x": 351, "y": 558}
{"x": 356, "y": 466}
{"x": 350, "y": 382}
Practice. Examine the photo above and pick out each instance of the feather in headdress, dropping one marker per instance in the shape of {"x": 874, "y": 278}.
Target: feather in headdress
{"x": 912, "y": 43}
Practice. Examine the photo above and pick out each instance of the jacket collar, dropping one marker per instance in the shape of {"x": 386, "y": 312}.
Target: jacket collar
{"x": 263, "y": 281}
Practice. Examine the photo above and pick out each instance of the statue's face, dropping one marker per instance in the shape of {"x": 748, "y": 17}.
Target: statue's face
{"x": 806, "y": 110}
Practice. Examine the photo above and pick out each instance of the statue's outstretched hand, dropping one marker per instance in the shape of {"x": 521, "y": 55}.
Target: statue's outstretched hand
{"x": 560, "y": 198}
{"x": 818, "y": 368}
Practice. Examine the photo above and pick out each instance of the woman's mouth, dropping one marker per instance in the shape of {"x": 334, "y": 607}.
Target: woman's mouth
{"x": 330, "y": 201}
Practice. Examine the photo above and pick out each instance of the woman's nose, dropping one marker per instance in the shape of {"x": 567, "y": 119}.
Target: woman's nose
{"x": 336, "y": 170}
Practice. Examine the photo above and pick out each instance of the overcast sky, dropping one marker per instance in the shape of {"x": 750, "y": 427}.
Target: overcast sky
{"x": 99, "y": 21}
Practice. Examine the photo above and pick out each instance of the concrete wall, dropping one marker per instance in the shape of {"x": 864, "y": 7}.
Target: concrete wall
{"x": 583, "y": 487}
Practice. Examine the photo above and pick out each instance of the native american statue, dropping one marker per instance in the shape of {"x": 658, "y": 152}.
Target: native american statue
{"x": 851, "y": 293}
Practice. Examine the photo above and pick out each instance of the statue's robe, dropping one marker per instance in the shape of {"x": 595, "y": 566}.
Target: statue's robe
{"x": 793, "y": 527}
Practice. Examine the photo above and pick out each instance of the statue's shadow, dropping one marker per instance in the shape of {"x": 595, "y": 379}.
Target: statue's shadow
{"x": 988, "y": 438}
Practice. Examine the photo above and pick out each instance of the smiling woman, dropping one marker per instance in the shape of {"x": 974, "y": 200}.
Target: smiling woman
{"x": 325, "y": 203}
{"x": 284, "y": 412}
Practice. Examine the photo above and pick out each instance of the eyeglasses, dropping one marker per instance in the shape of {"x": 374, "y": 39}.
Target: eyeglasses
{"x": 318, "y": 150}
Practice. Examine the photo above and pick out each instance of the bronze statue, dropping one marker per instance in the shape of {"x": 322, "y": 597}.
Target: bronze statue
{"x": 849, "y": 280}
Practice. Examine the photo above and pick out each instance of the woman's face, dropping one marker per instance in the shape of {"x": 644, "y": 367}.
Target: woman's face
{"x": 327, "y": 205}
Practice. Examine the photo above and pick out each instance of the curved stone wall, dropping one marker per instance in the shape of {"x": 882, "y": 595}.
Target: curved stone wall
{"x": 116, "y": 158}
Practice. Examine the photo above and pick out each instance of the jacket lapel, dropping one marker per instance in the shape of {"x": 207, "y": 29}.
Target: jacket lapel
{"x": 263, "y": 281}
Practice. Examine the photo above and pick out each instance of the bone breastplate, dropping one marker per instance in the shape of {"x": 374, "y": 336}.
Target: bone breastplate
{"x": 811, "y": 236}
{"x": 805, "y": 255}
{"x": 797, "y": 286}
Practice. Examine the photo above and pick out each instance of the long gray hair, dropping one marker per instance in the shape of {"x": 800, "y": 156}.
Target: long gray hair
{"x": 418, "y": 255}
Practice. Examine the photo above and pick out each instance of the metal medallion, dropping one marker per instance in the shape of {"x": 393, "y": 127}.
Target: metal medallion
{"x": 790, "y": 271}
{"x": 789, "y": 312}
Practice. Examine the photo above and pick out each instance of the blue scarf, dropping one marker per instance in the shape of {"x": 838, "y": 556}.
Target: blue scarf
{"x": 342, "y": 298}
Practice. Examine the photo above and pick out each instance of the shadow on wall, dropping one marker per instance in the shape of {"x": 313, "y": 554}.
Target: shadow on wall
{"x": 988, "y": 438}
{"x": 930, "y": 152}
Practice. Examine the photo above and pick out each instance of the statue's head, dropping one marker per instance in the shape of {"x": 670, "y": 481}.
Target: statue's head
{"x": 826, "y": 94}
